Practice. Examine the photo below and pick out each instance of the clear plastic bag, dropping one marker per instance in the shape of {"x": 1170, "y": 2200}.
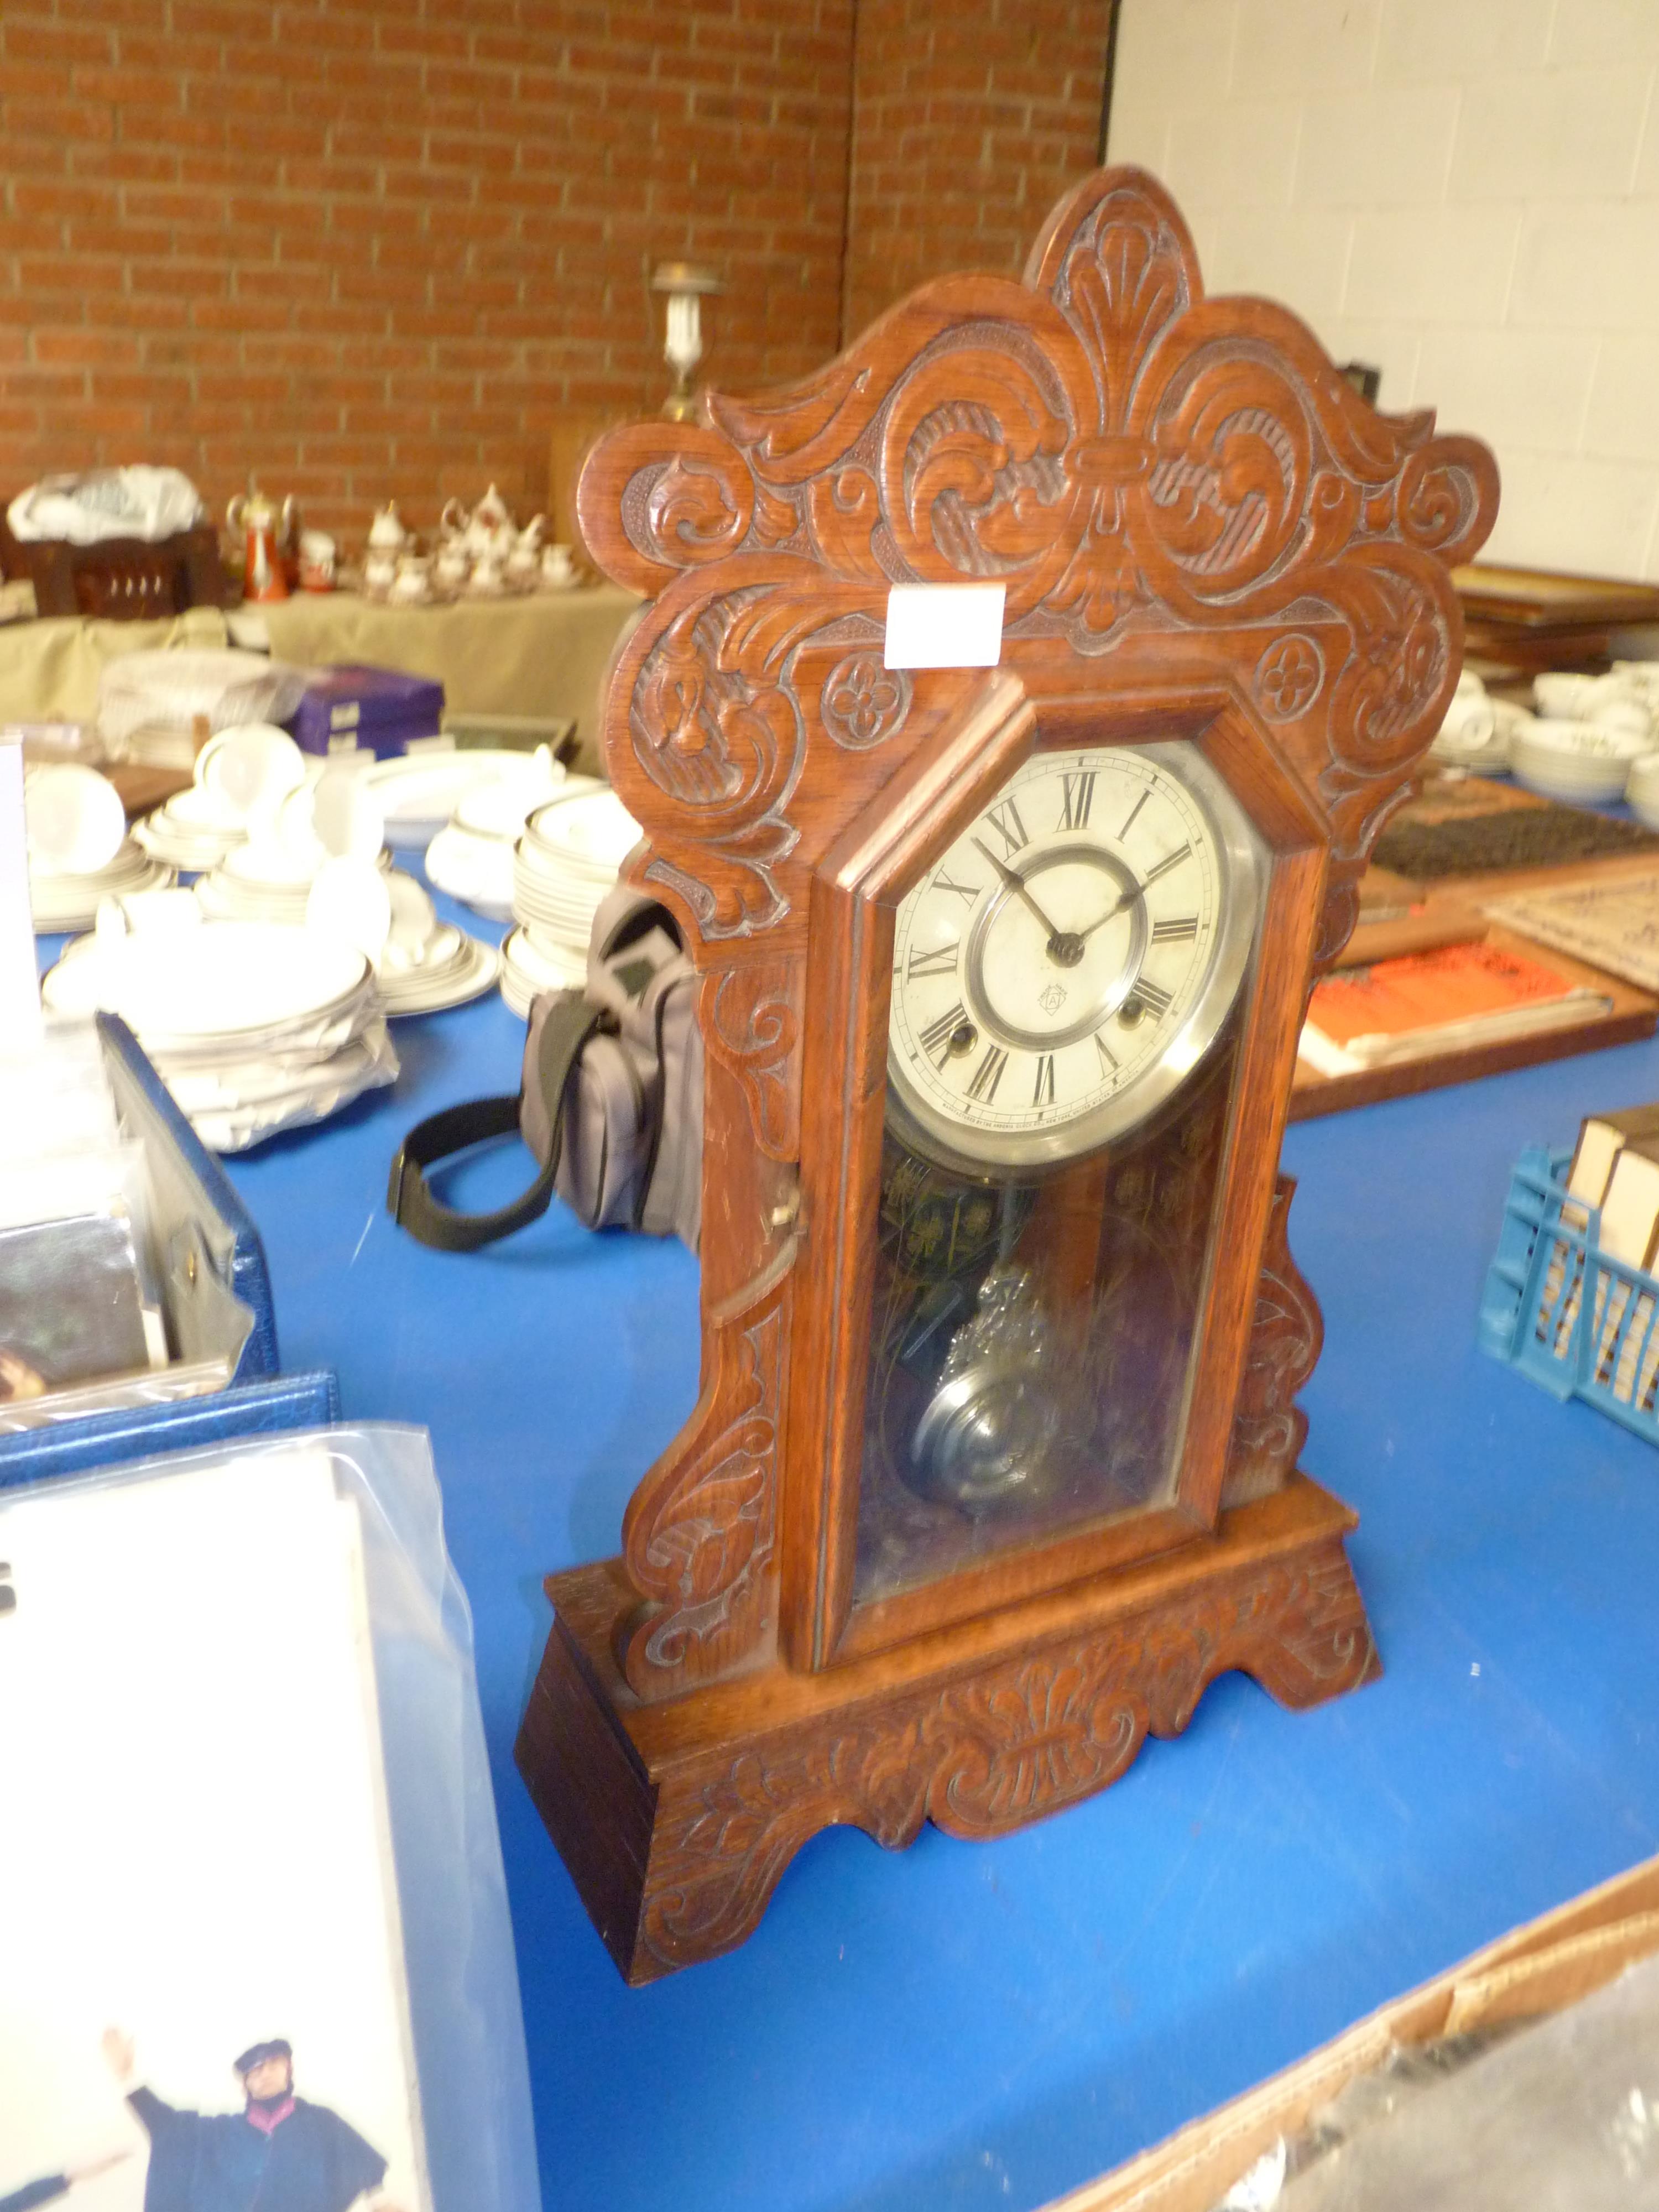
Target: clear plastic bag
{"x": 1558, "y": 2114}
{"x": 173, "y": 688}
{"x": 250, "y": 1800}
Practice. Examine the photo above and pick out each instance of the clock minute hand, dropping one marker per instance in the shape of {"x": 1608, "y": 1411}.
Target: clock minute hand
{"x": 1017, "y": 883}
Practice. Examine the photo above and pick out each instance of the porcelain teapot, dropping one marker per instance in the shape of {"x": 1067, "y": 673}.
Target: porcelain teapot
{"x": 387, "y": 533}
{"x": 490, "y": 529}
{"x": 267, "y": 532}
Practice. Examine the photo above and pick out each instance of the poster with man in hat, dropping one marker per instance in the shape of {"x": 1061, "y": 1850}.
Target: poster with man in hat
{"x": 281, "y": 2153}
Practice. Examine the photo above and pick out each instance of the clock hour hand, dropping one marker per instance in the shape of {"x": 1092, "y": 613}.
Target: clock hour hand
{"x": 1017, "y": 884}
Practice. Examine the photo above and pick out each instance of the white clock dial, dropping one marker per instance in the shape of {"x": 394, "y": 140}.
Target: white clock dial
{"x": 1072, "y": 956}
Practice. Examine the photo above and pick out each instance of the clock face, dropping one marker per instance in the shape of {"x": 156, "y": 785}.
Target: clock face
{"x": 1069, "y": 959}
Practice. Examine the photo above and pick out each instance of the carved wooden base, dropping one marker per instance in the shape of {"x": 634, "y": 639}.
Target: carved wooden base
{"x": 676, "y": 1820}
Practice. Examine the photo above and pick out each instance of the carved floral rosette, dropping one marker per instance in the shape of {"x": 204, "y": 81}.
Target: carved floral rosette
{"x": 1150, "y": 475}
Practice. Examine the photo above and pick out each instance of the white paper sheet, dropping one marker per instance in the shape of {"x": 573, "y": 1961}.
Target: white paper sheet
{"x": 943, "y": 626}
{"x": 193, "y": 1838}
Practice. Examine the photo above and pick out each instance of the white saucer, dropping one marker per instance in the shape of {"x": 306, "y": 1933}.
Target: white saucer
{"x": 477, "y": 871}
{"x": 452, "y": 983}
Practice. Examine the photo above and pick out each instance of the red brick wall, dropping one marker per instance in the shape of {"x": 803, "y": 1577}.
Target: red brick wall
{"x": 969, "y": 124}
{"x": 367, "y": 247}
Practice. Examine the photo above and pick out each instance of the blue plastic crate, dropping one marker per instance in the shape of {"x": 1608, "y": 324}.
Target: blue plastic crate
{"x": 1571, "y": 1317}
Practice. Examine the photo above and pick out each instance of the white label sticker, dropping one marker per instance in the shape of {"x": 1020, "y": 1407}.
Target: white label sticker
{"x": 943, "y": 626}
{"x": 20, "y": 975}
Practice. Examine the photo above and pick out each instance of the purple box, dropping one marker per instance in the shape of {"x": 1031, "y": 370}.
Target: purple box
{"x": 377, "y": 710}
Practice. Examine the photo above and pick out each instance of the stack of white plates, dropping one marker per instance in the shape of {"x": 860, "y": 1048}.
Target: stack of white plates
{"x": 1580, "y": 762}
{"x": 256, "y": 883}
{"x": 420, "y": 791}
{"x": 66, "y": 902}
{"x": 254, "y": 1026}
{"x": 471, "y": 858}
{"x": 192, "y": 831}
{"x": 567, "y": 860}
{"x": 1643, "y": 788}
{"x": 530, "y": 966}
{"x": 563, "y": 865}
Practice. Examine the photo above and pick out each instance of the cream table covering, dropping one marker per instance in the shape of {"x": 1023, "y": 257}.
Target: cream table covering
{"x": 545, "y": 653}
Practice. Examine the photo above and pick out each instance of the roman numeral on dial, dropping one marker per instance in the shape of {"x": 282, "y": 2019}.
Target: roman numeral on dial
{"x": 988, "y": 1074}
{"x": 1147, "y": 999}
{"x": 936, "y": 1037}
{"x": 1004, "y": 820}
{"x": 1169, "y": 861}
{"x": 943, "y": 883}
{"x": 1174, "y": 933}
{"x": 1107, "y": 1057}
{"x": 1078, "y": 800}
{"x": 1134, "y": 811}
{"x": 1043, "y": 1092}
{"x": 941, "y": 961}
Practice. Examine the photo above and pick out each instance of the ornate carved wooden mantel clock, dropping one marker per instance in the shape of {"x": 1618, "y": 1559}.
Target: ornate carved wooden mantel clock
{"x": 1002, "y": 971}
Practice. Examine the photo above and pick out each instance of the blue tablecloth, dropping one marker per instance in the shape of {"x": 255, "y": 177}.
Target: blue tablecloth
{"x": 987, "y": 2025}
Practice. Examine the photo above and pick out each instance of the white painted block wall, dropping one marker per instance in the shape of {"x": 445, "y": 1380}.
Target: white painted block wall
{"x": 1464, "y": 192}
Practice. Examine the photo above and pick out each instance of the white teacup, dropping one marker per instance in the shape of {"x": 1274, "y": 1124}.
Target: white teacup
{"x": 1562, "y": 696}
{"x": 347, "y": 819}
{"x": 318, "y": 553}
{"x": 451, "y": 568}
{"x": 349, "y": 899}
{"x": 1616, "y": 705}
{"x": 1471, "y": 720}
{"x": 155, "y": 912}
{"x": 412, "y": 585}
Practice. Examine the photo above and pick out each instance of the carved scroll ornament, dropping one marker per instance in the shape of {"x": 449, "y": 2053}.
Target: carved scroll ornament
{"x": 1126, "y": 457}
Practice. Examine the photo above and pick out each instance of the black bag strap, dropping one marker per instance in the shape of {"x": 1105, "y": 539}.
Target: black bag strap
{"x": 570, "y": 1024}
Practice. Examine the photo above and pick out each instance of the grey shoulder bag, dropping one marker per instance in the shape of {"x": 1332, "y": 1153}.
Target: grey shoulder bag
{"x": 610, "y": 1103}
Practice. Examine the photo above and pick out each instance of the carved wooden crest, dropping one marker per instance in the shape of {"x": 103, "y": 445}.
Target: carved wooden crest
{"x": 1167, "y": 485}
